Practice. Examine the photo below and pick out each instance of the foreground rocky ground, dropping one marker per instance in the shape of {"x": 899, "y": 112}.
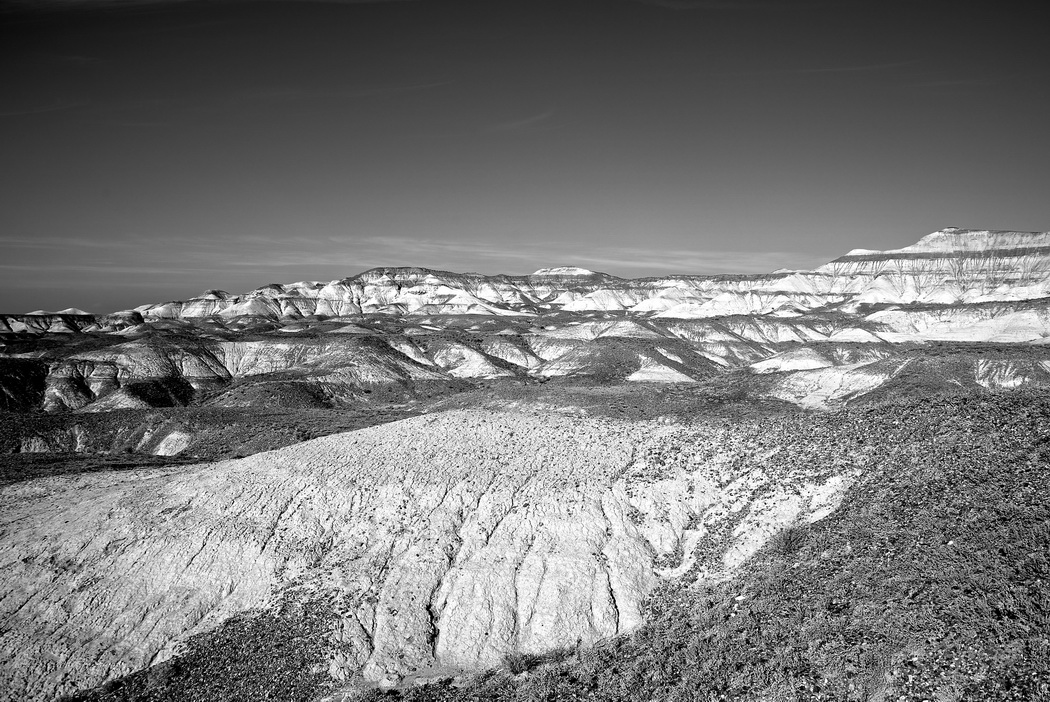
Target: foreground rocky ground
{"x": 447, "y": 540}
{"x": 751, "y": 552}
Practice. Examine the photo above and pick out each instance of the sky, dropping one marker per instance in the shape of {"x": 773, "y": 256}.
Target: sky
{"x": 152, "y": 150}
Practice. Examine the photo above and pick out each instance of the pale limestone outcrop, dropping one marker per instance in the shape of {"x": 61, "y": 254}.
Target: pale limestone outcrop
{"x": 946, "y": 267}
{"x": 450, "y": 539}
{"x": 461, "y": 361}
{"x": 173, "y": 443}
{"x": 83, "y": 377}
{"x": 67, "y": 321}
{"x": 822, "y": 387}
{"x": 953, "y": 285}
{"x": 1000, "y": 322}
{"x": 950, "y": 266}
{"x": 346, "y": 367}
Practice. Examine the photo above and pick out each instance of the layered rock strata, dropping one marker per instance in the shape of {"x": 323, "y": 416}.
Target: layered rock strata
{"x": 946, "y": 267}
{"x": 400, "y": 328}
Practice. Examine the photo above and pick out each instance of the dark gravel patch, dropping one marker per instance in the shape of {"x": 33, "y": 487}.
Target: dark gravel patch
{"x": 272, "y": 655}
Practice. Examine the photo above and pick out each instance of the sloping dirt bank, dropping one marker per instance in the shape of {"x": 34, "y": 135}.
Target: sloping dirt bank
{"x": 429, "y": 547}
{"x": 931, "y": 581}
{"x": 446, "y": 540}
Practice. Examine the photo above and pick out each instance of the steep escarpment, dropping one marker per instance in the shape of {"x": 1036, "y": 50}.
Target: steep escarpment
{"x": 946, "y": 267}
{"x": 949, "y": 266}
{"x": 442, "y": 542}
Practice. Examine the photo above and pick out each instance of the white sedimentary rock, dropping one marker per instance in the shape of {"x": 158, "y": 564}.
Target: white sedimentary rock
{"x": 953, "y": 285}
{"x": 946, "y": 267}
{"x": 451, "y": 539}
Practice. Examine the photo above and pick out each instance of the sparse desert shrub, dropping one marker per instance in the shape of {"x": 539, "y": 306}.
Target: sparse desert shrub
{"x": 788, "y": 541}
{"x": 161, "y": 674}
{"x": 517, "y": 662}
{"x": 112, "y": 686}
{"x": 559, "y": 655}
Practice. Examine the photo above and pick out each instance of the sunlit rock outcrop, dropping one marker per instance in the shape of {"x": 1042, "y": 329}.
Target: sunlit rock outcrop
{"x": 394, "y": 327}
{"x": 948, "y": 266}
{"x": 449, "y": 540}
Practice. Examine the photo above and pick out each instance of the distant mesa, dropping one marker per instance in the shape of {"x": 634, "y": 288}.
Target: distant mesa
{"x": 561, "y": 271}
{"x": 951, "y": 266}
{"x": 961, "y": 242}
{"x": 68, "y": 310}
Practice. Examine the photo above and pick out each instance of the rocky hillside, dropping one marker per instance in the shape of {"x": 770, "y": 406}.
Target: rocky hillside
{"x": 814, "y": 362}
{"x": 440, "y": 543}
{"x": 929, "y": 582}
{"x": 861, "y": 554}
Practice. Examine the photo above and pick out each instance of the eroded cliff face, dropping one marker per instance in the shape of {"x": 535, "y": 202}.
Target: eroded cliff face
{"x": 445, "y": 541}
{"x": 395, "y": 332}
{"x": 326, "y": 366}
{"x": 948, "y": 266}
{"x": 66, "y": 323}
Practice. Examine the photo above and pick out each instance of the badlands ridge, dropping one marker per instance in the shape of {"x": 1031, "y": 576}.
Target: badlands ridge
{"x": 949, "y": 267}
{"x": 815, "y": 338}
{"x": 326, "y": 490}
